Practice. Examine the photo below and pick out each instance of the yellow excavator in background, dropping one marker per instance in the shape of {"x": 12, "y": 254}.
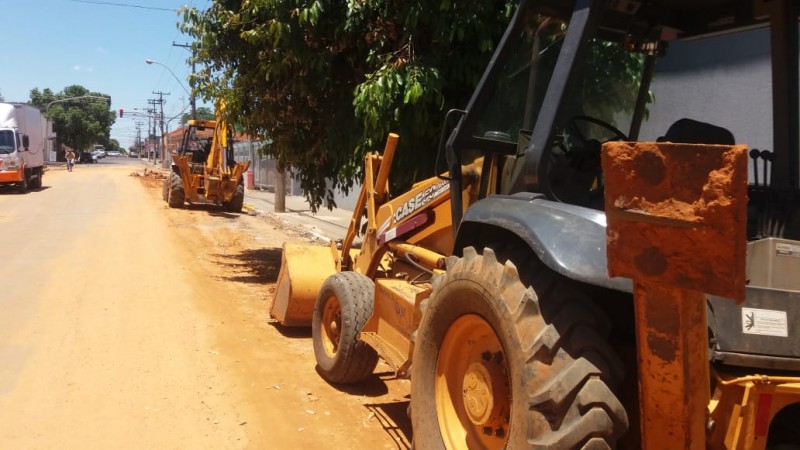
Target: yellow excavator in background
{"x": 204, "y": 169}
{"x": 488, "y": 285}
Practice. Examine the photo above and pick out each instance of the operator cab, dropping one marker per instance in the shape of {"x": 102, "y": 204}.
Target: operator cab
{"x": 563, "y": 81}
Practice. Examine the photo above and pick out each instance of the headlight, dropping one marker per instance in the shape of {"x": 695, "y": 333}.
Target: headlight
{"x": 9, "y": 164}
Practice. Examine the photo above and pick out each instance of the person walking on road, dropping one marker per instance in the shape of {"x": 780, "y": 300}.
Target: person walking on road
{"x": 70, "y": 159}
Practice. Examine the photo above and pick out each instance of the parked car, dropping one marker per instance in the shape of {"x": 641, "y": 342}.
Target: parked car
{"x": 86, "y": 157}
{"x": 114, "y": 153}
{"x": 98, "y": 154}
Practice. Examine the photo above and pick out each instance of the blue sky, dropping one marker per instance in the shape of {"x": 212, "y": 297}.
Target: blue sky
{"x": 101, "y": 45}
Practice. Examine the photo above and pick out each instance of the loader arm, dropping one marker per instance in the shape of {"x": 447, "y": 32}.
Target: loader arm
{"x": 411, "y": 231}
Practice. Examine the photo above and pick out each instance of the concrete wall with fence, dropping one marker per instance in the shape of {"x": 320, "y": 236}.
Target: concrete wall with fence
{"x": 264, "y": 177}
{"x": 263, "y": 168}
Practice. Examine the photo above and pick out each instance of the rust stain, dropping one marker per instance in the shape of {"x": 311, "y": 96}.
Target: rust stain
{"x": 662, "y": 347}
{"x": 651, "y": 262}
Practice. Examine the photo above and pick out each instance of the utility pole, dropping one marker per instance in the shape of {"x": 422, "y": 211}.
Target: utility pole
{"x": 160, "y": 102}
{"x": 139, "y": 138}
{"x": 191, "y": 79}
{"x": 151, "y": 115}
{"x": 160, "y": 118}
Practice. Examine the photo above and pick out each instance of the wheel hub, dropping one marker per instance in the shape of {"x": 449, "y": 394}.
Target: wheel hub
{"x": 334, "y": 331}
{"x": 473, "y": 392}
{"x": 484, "y": 392}
{"x": 478, "y": 393}
{"x": 331, "y": 318}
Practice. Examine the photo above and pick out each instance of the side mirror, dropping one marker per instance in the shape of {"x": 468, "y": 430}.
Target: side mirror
{"x": 26, "y": 141}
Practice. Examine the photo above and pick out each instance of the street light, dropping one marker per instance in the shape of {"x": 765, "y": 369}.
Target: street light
{"x": 191, "y": 95}
{"x": 79, "y": 97}
{"x": 106, "y": 98}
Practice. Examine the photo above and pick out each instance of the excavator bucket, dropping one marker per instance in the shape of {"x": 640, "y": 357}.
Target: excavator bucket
{"x": 303, "y": 270}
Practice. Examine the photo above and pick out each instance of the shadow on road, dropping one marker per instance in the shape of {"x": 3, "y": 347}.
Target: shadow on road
{"x": 227, "y": 215}
{"x": 13, "y": 190}
{"x": 292, "y": 332}
{"x": 373, "y": 386}
{"x": 255, "y": 266}
{"x": 212, "y": 210}
{"x": 394, "y": 420}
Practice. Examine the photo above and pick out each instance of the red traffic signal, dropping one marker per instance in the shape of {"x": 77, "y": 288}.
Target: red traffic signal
{"x": 120, "y": 112}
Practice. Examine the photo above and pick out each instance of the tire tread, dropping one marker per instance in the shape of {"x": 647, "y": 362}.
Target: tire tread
{"x": 560, "y": 336}
{"x": 354, "y": 360}
{"x": 176, "y": 196}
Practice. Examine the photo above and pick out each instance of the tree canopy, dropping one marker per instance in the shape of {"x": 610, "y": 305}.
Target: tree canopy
{"x": 325, "y": 81}
{"x": 79, "y": 122}
{"x": 203, "y": 113}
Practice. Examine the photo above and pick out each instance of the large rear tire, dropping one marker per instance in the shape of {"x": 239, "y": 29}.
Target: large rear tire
{"x": 496, "y": 366}
{"x": 343, "y": 306}
{"x": 37, "y": 182}
{"x": 175, "y": 196}
{"x": 237, "y": 201}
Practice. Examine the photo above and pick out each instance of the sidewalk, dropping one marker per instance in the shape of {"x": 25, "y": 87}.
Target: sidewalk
{"x": 326, "y": 225}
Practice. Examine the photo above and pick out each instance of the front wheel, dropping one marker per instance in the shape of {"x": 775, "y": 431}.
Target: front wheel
{"x": 496, "y": 366}
{"x": 343, "y": 306}
{"x": 22, "y": 186}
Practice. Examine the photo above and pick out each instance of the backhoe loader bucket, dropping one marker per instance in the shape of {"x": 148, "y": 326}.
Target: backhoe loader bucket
{"x": 303, "y": 270}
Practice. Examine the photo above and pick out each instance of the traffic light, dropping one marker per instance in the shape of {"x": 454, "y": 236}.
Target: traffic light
{"x": 120, "y": 112}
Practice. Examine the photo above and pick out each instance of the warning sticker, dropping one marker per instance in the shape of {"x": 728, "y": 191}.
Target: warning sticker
{"x": 783, "y": 249}
{"x": 766, "y": 322}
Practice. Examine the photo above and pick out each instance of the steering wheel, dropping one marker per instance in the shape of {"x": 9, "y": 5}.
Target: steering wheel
{"x": 575, "y": 170}
{"x": 585, "y": 146}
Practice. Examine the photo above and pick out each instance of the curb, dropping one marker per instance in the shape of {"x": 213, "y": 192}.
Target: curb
{"x": 250, "y": 209}
{"x": 310, "y": 230}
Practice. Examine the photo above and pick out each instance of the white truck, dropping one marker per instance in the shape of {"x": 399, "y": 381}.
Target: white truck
{"x": 23, "y": 144}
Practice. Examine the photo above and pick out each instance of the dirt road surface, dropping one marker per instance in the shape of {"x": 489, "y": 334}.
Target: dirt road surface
{"x": 126, "y": 324}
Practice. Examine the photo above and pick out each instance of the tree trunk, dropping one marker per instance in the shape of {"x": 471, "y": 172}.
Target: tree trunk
{"x": 280, "y": 188}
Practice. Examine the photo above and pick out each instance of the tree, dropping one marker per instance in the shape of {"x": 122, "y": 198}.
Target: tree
{"x": 1, "y": 98}
{"x": 78, "y": 123}
{"x": 325, "y": 81}
{"x": 203, "y": 113}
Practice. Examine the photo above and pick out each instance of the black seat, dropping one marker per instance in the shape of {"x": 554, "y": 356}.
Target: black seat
{"x": 689, "y": 131}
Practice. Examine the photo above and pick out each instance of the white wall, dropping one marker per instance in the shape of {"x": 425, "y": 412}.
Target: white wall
{"x": 724, "y": 81}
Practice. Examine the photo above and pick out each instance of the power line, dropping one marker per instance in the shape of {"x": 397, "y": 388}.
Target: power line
{"x": 127, "y": 5}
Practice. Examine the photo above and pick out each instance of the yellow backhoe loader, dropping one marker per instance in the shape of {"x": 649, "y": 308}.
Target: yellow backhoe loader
{"x": 488, "y": 285}
{"x": 204, "y": 169}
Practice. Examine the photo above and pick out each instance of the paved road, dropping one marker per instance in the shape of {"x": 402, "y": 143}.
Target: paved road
{"x": 127, "y": 324}
{"x": 94, "y": 352}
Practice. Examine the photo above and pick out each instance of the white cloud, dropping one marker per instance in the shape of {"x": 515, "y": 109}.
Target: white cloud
{"x": 89, "y": 69}
{"x": 76, "y": 67}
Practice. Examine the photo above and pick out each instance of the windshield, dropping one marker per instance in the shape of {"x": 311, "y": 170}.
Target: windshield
{"x": 6, "y": 142}
{"x": 597, "y": 105}
{"x": 523, "y": 81}
{"x": 604, "y": 86}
